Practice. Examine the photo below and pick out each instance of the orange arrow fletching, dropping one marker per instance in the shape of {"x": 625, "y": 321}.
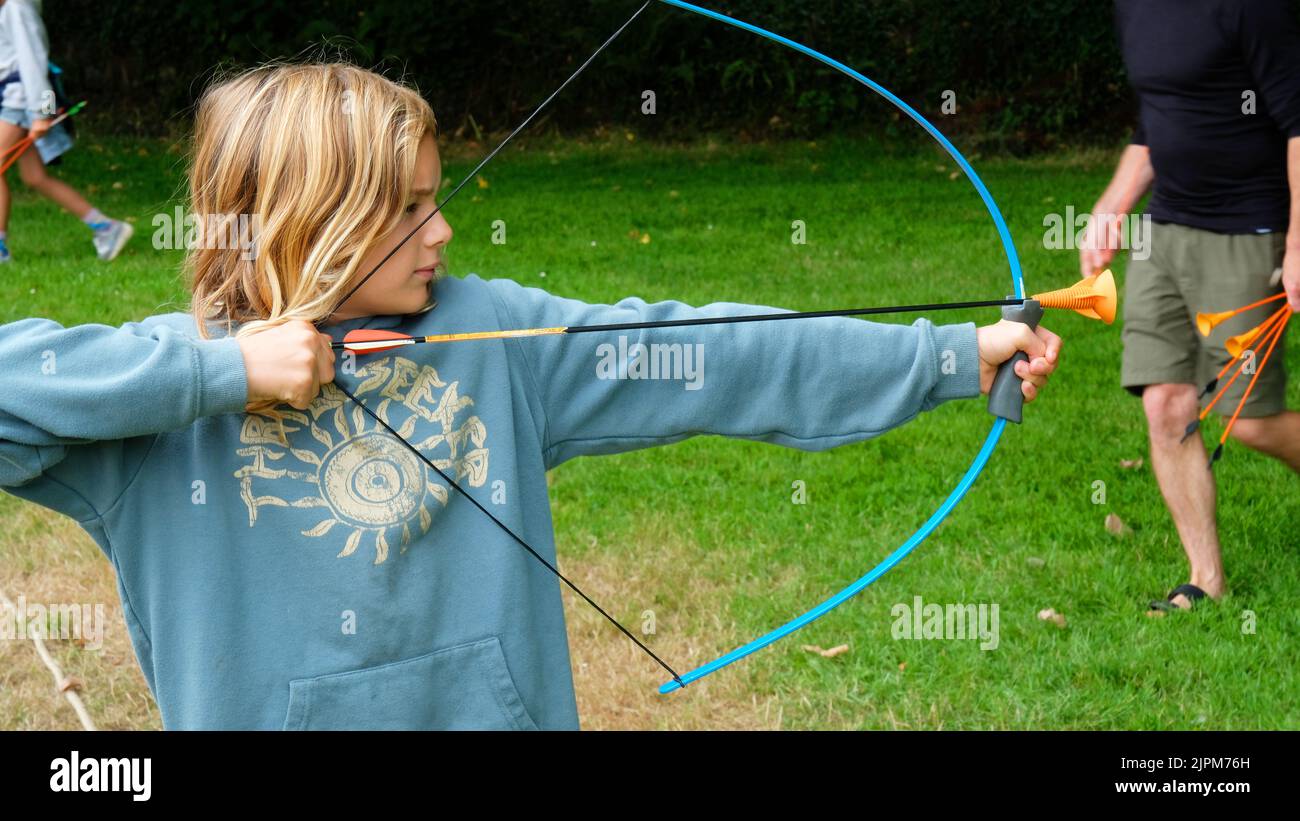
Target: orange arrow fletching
{"x": 374, "y": 340}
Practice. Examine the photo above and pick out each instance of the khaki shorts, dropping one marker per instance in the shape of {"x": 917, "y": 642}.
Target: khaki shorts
{"x": 1191, "y": 270}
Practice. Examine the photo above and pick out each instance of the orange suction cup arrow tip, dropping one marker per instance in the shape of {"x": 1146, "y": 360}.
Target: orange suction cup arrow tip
{"x": 1238, "y": 344}
{"x": 1093, "y": 296}
{"x": 1206, "y": 322}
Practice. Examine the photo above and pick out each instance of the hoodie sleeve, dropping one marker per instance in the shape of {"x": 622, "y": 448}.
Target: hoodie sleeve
{"x": 810, "y": 384}
{"x": 91, "y": 397}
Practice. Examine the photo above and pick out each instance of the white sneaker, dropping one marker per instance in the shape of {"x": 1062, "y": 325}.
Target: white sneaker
{"x": 110, "y": 240}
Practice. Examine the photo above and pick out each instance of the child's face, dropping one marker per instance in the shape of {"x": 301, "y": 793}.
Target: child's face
{"x": 402, "y": 285}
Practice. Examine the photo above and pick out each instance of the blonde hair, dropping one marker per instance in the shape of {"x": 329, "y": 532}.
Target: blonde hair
{"x": 320, "y": 158}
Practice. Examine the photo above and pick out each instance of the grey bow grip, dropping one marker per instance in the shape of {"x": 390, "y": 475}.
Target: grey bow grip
{"x": 1005, "y": 399}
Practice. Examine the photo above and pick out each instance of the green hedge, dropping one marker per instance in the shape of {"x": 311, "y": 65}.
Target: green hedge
{"x": 1025, "y": 74}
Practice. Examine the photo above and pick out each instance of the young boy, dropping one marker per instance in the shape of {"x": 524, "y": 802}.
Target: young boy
{"x": 283, "y": 560}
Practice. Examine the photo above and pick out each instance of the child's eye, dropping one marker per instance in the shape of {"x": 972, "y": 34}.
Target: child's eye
{"x": 410, "y": 209}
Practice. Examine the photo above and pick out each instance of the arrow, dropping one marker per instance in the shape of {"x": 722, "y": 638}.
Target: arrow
{"x": 1206, "y": 322}
{"x": 1274, "y": 335}
{"x": 1093, "y": 297}
{"x": 377, "y": 341}
{"x": 1236, "y": 347}
{"x": 22, "y": 145}
{"x": 16, "y": 150}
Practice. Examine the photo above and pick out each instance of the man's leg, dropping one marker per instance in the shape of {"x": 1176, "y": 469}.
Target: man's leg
{"x": 1182, "y": 471}
{"x": 1161, "y": 363}
{"x": 1277, "y": 436}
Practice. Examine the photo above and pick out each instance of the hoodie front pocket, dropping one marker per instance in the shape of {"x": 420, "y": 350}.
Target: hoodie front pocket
{"x": 467, "y": 687}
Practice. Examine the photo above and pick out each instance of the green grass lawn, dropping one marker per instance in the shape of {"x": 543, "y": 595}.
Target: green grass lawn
{"x": 702, "y": 538}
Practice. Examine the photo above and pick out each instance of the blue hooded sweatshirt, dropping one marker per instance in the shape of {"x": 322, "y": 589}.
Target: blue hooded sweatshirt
{"x": 320, "y": 576}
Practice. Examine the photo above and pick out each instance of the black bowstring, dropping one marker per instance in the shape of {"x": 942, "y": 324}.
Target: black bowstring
{"x": 455, "y": 485}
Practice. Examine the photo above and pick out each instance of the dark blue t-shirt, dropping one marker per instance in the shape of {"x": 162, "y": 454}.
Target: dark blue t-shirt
{"x": 1197, "y": 66}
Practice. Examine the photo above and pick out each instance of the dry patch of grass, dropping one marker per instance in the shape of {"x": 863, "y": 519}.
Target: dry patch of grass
{"x": 46, "y": 559}
{"x": 617, "y": 685}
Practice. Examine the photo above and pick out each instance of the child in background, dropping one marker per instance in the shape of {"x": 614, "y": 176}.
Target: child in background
{"x": 27, "y": 105}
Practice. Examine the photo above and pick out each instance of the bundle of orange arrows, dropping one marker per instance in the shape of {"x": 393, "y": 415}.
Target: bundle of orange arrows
{"x": 1264, "y": 335}
{"x": 11, "y": 154}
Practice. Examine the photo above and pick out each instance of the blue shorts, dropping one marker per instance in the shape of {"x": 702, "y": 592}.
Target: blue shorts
{"x": 55, "y": 142}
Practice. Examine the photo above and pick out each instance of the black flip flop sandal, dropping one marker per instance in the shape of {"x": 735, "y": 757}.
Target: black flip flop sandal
{"x": 1191, "y": 591}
